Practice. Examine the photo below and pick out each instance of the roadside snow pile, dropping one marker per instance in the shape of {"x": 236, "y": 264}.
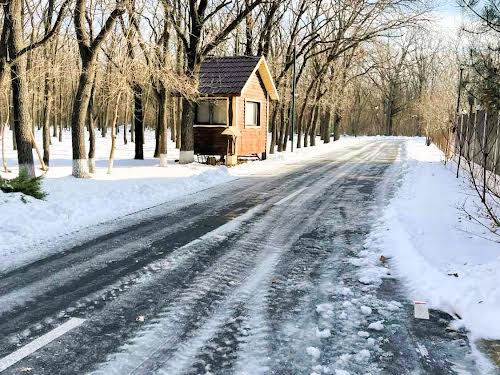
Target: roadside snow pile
{"x": 27, "y": 224}
{"x": 446, "y": 260}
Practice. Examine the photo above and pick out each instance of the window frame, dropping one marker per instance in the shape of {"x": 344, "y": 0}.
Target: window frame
{"x": 259, "y": 115}
{"x": 222, "y": 98}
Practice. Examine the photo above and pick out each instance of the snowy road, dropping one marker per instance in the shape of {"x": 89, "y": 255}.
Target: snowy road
{"x": 257, "y": 276}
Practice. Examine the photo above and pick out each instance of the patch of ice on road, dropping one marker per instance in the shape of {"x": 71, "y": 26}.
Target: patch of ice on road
{"x": 313, "y": 352}
{"x": 376, "y": 326}
{"x": 323, "y": 333}
{"x": 366, "y": 310}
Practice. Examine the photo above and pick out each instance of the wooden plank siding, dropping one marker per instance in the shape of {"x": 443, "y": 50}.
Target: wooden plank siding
{"x": 253, "y": 140}
{"x": 209, "y": 141}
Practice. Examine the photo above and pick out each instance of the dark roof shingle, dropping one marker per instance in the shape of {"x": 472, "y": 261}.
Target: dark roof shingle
{"x": 226, "y": 75}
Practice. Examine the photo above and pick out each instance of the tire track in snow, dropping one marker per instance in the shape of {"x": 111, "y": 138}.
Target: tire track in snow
{"x": 256, "y": 324}
{"x": 314, "y": 175}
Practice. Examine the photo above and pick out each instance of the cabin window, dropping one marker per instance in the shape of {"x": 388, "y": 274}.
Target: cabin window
{"x": 211, "y": 112}
{"x": 252, "y": 113}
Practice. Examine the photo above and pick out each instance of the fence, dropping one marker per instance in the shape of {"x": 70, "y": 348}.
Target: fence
{"x": 477, "y": 138}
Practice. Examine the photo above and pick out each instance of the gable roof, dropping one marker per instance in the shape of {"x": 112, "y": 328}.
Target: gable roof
{"x": 229, "y": 75}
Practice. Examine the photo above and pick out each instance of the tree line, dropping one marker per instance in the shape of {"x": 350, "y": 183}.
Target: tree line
{"x": 361, "y": 67}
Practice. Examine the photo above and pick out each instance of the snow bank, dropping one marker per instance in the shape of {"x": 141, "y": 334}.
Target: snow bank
{"x": 446, "y": 260}
{"x": 27, "y": 225}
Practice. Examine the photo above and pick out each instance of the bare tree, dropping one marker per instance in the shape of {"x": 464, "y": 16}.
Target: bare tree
{"x": 12, "y": 56}
{"x": 197, "y": 48}
{"x": 88, "y": 48}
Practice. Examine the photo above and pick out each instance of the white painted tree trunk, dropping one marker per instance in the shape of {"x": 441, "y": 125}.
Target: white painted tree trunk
{"x": 4, "y": 162}
{"x": 186, "y": 157}
{"x": 91, "y": 165}
{"x": 163, "y": 160}
{"x": 80, "y": 168}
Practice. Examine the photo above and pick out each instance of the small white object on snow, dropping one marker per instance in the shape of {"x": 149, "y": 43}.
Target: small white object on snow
{"x": 313, "y": 352}
{"x": 376, "y": 326}
{"x": 370, "y": 341}
{"x": 366, "y": 310}
{"x": 341, "y": 372}
{"x": 363, "y": 334}
{"x": 421, "y": 310}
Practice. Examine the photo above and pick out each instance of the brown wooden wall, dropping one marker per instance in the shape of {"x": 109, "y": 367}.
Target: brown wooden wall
{"x": 252, "y": 140}
{"x": 209, "y": 140}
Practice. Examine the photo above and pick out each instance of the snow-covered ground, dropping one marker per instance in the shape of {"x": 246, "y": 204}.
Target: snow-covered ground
{"x": 445, "y": 259}
{"x": 134, "y": 185}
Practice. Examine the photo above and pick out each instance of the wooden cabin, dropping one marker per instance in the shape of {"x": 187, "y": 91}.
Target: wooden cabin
{"x": 235, "y": 94}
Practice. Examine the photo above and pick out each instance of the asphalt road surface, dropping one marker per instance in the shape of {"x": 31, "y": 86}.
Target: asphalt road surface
{"x": 251, "y": 277}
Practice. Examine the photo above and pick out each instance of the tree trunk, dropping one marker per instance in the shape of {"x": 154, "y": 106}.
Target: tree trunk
{"x": 314, "y": 124}
{"x": 113, "y": 135}
{"x": 47, "y": 95}
{"x": 282, "y": 138}
{"x": 22, "y": 125}
{"x": 326, "y": 125}
{"x": 91, "y": 121}
{"x": 138, "y": 123}
{"x": 104, "y": 121}
{"x": 178, "y": 124}
{"x": 162, "y": 126}
{"x": 125, "y": 121}
{"x": 288, "y": 128}
{"x": 156, "y": 154}
{"x": 249, "y": 25}
{"x": 187, "y": 141}
{"x": 172, "y": 120}
{"x": 80, "y": 108}
{"x": 274, "y": 130}
{"x": 336, "y": 126}
{"x": 46, "y": 130}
